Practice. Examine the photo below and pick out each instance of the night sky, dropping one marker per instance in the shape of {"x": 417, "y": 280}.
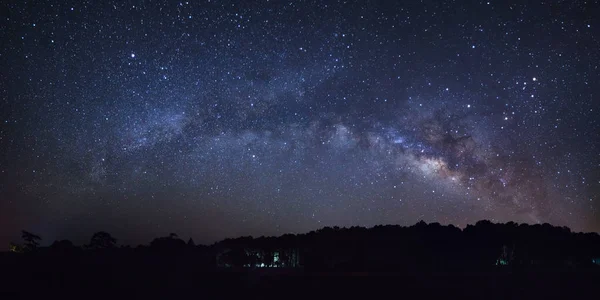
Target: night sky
{"x": 217, "y": 119}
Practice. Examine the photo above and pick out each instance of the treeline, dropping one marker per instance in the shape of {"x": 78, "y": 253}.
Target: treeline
{"x": 424, "y": 247}
{"x": 429, "y": 247}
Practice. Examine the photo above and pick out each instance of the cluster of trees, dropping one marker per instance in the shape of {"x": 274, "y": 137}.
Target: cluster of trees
{"x": 381, "y": 248}
{"x": 283, "y": 251}
{"x": 100, "y": 240}
{"x": 423, "y": 247}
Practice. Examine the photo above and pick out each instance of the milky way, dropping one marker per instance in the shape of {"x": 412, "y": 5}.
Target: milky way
{"x": 216, "y": 119}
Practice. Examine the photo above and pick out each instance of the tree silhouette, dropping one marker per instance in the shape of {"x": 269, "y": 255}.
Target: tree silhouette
{"x": 236, "y": 257}
{"x": 168, "y": 243}
{"x": 268, "y": 258}
{"x": 506, "y": 256}
{"x": 102, "y": 240}
{"x": 31, "y": 240}
{"x": 63, "y": 247}
{"x": 191, "y": 242}
{"x": 480, "y": 247}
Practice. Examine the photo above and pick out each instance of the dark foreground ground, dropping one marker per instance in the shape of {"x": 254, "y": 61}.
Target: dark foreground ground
{"x": 174, "y": 282}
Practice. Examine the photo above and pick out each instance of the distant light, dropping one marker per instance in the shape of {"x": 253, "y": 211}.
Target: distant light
{"x": 132, "y": 55}
{"x": 468, "y": 105}
{"x": 534, "y": 79}
{"x": 473, "y": 46}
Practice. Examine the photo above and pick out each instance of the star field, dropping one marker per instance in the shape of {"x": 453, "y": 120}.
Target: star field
{"x": 216, "y": 119}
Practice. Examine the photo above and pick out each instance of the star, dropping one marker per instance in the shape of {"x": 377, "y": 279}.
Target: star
{"x": 198, "y": 116}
